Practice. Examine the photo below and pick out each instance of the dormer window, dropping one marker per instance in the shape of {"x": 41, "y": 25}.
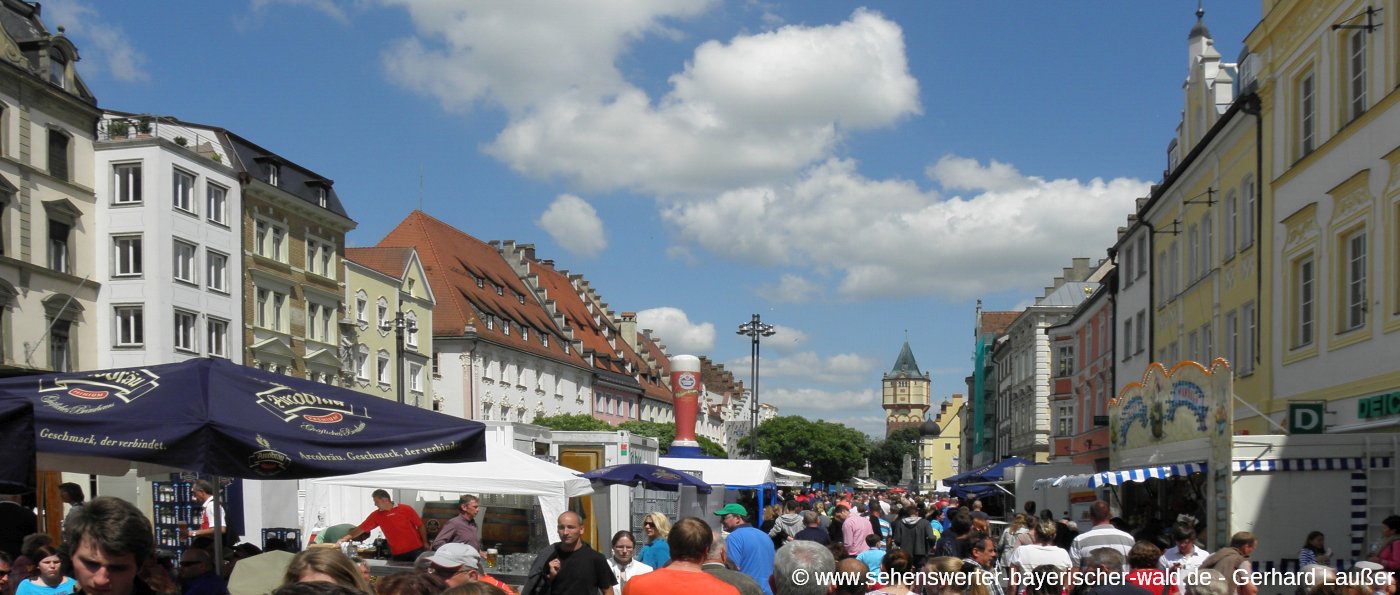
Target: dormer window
{"x": 500, "y": 290}
{"x": 321, "y": 194}
{"x": 272, "y": 171}
{"x": 58, "y": 68}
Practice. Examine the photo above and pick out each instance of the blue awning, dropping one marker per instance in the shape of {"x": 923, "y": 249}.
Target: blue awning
{"x": 989, "y": 472}
{"x": 1113, "y": 478}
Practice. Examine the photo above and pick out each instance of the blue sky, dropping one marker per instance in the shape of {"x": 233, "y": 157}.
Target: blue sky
{"x": 851, "y": 172}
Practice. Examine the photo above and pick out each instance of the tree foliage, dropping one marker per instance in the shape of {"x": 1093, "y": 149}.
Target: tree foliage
{"x": 575, "y": 422}
{"x": 834, "y": 451}
{"x": 711, "y": 448}
{"x": 887, "y": 456}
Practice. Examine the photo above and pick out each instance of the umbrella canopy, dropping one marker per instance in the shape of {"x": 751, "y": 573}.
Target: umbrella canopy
{"x": 214, "y": 417}
{"x": 989, "y": 472}
{"x": 652, "y": 476}
{"x": 260, "y": 574}
{"x": 17, "y": 426}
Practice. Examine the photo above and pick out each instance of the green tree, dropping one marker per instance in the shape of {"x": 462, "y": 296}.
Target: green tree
{"x": 663, "y": 433}
{"x": 831, "y": 451}
{"x": 576, "y": 422}
{"x": 887, "y": 456}
{"x": 711, "y": 448}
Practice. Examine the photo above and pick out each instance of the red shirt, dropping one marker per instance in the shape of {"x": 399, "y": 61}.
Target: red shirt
{"x": 400, "y": 525}
{"x": 1152, "y": 579}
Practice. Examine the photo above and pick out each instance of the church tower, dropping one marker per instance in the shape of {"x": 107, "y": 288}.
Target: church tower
{"x": 906, "y": 392}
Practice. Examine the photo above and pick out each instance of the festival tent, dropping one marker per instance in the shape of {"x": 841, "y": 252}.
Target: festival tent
{"x": 733, "y": 474}
{"x": 790, "y": 479}
{"x": 505, "y": 471}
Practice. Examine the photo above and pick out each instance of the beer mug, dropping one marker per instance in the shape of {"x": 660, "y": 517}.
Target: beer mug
{"x": 491, "y": 557}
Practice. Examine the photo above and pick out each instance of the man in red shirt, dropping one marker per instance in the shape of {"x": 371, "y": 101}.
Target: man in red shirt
{"x": 402, "y": 527}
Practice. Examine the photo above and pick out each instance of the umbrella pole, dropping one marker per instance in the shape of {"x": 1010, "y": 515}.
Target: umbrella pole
{"x": 218, "y": 525}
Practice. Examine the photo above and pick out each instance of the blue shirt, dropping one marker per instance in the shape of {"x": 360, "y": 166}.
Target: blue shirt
{"x": 655, "y": 554}
{"x": 29, "y": 587}
{"x": 872, "y": 559}
{"x": 752, "y": 551}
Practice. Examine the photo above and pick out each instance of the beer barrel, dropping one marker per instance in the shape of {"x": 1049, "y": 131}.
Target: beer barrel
{"x": 436, "y": 514}
{"x": 509, "y": 527}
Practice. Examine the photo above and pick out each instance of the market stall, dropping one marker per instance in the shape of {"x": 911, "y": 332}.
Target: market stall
{"x": 733, "y": 474}
{"x": 790, "y": 479}
{"x": 505, "y": 471}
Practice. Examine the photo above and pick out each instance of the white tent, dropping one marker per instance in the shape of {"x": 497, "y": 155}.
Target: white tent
{"x": 730, "y": 472}
{"x": 505, "y": 471}
{"x": 790, "y": 479}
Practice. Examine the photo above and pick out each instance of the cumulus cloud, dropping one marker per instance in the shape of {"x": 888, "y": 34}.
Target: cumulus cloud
{"x": 104, "y": 47}
{"x": 740, "y": 112}
{"x": 673, "y": 327}
{"x": 794, "y": 401}
{"x": 574, "y": 225}
{"x": 845, "y": 368}
{"x": 890, "y": 238}
{"x": 785, "y": 339}
{"x": 961, "y": 173}
{"x": 790, "y": 289}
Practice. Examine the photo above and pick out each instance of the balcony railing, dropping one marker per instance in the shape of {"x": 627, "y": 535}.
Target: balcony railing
{"x": 146, "y": 127}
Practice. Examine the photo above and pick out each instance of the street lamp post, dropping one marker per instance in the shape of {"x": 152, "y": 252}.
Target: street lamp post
{"x": 755, "y": 329}
{"x": 400, "y": 325}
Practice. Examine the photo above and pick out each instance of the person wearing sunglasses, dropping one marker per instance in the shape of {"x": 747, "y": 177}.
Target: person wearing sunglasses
{"x": 656, "y": 553}
{"x": 623, "y": 562}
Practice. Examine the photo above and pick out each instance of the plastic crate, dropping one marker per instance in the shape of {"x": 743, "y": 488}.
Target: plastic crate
{"x": 291, "y": 536}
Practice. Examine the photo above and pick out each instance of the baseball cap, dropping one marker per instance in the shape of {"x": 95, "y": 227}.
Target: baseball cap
{"x": 453, "y": 555}
{"x": 732, "y": 508}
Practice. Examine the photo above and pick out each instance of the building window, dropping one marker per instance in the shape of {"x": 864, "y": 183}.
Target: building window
{"x": 1207, "y": 245}
{"x": 279, "y": 301}
{"x": 278, "y": 237}
{"x": 361, "y": 307}
{"x": 131, "y": 326}
{"x": 321, "y": 194}
{"x": 218, "y": 337}
{"x": 183, "y": 189}
{"x": 58, "y": 155}
{"x": 217, "y": 265}
{"x": 415, "y": 378}
{"x": 1127, "y": 338}
{"x": 1232, "y": 339}
{"x": 362, "y": 364}
{"x": 216, "y": 209}
{"x": 1231, "y": 223}
{"x": 1357, "y": 53}
{"x": 1066, "y": 362}
{"x": 186, "y": 333}
{"x": 1207, "y": 343}
{"x": 58, "y": 246}
{"x": 1304, "y": 301}
{"x": 1193, "y": 259}
{"x": 269, "y": 238}
{"x": 185, "y": 262}
{"x": 1307, "y": 118}
{"x": 58, "y": 68}
{"x": 383, "y": 368}
{"x": 1141, "y": 255}
{"x": 411, "y": 330}
{"x": 126, "y": 183}
{"x": 436, "y": 373}
{"x": 382, "y": 309}
{"x": 1141, "y": 331}
{"x": 320, "y": 257}
{"x": 1354, "y": 251}
{"x": 313, "y": 317}
{"x": 126, "y": 256}
{"x": 60, "y": 357}
{"x": 1247, "y": 319}
{"x": 1247, "y": 214}
{"x": 1127, "y": 278}
{"x": 272, "y": 171}
{"x": 269, "y": 309}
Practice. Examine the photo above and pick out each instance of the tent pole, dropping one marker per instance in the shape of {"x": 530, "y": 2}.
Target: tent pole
{"x": 217, "y": 523}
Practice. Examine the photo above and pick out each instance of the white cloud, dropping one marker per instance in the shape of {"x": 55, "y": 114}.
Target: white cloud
{"x": 790, "y": 289}
{"x": 330, "y": 8}
{"x": 785, "y": 339}
{"x": 747, "y": 111}
{"x": 103, "y": 46}
{"x": 961, "y": 173}
{"x": 672, "y": 327}
{"x": 845, "y": 368}
{"x": 790, "y": 401}
{"x": 574, "y": 225}
{"x": 683, "y": 254}
{"x": 889, "y": 238}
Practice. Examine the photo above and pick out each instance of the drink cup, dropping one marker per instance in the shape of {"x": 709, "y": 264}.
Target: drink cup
{"x": 184, "y": 530}
{"x": 491, "y": 557}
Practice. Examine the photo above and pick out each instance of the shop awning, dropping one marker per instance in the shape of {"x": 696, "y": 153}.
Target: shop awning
{"x": 1312, "y": 464}
{"x": 1113, "y": 478}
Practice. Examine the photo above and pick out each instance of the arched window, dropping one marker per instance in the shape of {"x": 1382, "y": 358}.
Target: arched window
{"x": 362, "y": 363}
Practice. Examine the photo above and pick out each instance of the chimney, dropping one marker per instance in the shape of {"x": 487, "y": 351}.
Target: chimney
{"x": 529, "y": 250}
{"x": 628, "y": 327}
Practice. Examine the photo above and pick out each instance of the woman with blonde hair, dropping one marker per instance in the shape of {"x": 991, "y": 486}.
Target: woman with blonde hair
{"x": 325, "y": 565}
{"x": 656, "y": 553}
{"x": 947, "y": 575}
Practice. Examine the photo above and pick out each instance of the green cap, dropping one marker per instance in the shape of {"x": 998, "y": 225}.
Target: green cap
{"x": 732, "y": 508}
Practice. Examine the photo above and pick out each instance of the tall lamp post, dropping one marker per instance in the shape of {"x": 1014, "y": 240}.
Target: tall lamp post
{"x": 402, "y": 324}
{"x": 928, "y": 429}
{"x": 756, "y": 330}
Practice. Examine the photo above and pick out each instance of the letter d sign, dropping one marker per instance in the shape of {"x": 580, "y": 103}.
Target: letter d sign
{"x": 1305, "y": 418}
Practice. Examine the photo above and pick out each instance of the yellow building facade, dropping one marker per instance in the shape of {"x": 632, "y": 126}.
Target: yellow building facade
{"x": 389, "y": 325}
{"x": 942, "y": 454}
{"x": 1327, "y": 74}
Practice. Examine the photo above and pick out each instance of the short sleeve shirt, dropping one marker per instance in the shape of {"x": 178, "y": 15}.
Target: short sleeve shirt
{"x": 581, "y": 572}
{"x": 400, "y": 525}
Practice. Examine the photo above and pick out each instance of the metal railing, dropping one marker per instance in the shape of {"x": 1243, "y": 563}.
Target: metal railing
{"x": 145, "y": 127}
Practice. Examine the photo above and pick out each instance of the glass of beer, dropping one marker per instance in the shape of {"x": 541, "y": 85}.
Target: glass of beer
{"x": 184, "y": 530}
{"x": 491, "y": 557}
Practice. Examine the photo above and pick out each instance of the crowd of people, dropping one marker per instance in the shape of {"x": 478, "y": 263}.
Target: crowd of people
{"x": 811, "y": 543}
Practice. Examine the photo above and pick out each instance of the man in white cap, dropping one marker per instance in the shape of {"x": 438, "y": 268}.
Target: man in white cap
{"x": 459, "y": 563}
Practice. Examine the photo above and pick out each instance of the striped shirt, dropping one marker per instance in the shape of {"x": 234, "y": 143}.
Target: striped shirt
{"x": 1100, "y": 536}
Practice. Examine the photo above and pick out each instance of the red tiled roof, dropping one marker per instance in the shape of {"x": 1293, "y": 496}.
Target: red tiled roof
{"x": 454, "y": 261}
{"x": 589, "y": 333}
{"x": 391, "y": 261}
{"x": 998, "y": 322}
{"x": 660, "y": 390}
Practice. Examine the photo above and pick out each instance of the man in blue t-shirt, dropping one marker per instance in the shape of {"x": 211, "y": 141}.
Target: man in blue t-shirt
{"x": 749, "y": 548}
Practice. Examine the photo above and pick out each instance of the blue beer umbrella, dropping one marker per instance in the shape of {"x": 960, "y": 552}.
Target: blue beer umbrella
{"x": 17, "y": 426}
{"x": 214, "y": 417}
{"x": 655, "y": 477}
